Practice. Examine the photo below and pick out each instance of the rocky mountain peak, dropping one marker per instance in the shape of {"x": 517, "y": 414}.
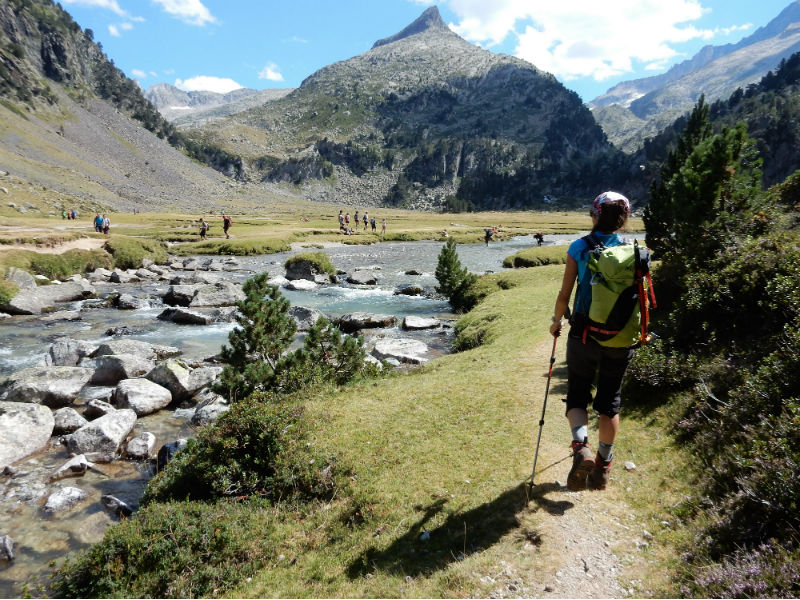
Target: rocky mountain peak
{"x": 430, "y": 20}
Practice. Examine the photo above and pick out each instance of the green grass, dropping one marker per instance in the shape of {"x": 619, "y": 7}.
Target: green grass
{"x": 7, "y": 291}
{"x": 320, "y": 260}
{"x": 55, "y": 266}
{"x": 536, "y": 257}
{"x": 128, "y": 252}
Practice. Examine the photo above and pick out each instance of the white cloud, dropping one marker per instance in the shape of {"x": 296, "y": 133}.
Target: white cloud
{"x": 734, "y": 29}
{"x": 582, "y": 38}
{"x": 192, "y": 12}
{"x": 113, "y": 30}
{"x": 207, "y": 83}
{"x": 111, "y": 5}
{"x": 138, "y": 74}
{"x": 126, "y": 26}
{"x": 270, "y": 72}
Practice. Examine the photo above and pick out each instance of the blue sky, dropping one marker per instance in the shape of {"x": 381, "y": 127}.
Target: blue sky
{"x": 588, "y": 45}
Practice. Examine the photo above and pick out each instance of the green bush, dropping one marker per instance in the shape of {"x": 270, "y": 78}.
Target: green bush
{"x": 536, "y": 257}
{"x": 320, "y": 260}
{"x": 128, "y": 253}
{"x": 454, "y": 280}
{"x": 7, "y": 291}
{"x": 233, "y": 247}
{"x": 174, "y": 550}
{"x": 257, "y": 448}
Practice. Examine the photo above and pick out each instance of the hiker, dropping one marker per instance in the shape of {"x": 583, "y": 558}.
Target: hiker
{"x": 106, "y": 224}
{"x": 226, "y": 224}
{"x": 383, "y": 227}
{"x": 539, "y": 239}
{"x": 355, "y": 217}
{"x": 341, "y": 221}
{"x": 365, "y": 220}
{"x": 203, "y": 228}
{"x": 63, "y": 214}
{"x": 488, "y": 233}
{"x": 98, "y": 223}
{"x": 609, "y": 213}
{"x": 347, "y": 220}
{"x": 373, "y": 222}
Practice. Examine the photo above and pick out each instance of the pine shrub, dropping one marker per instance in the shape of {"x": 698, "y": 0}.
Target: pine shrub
{"x": 454, "y": 280}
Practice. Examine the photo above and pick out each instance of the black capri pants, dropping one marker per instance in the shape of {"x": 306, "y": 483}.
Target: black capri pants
{"x": 583, "y": 363}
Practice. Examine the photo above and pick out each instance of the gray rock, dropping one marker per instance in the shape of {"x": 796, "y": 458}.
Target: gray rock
{"x": 67, "y": 420}
{"x": 101, "y": 272}
{"x": 142, "y": 396}
{"x": 141, "y": 447}
{"x": 61, "y": 315}
{"x": 25, "y": 428}
{"x": 120, "y": 276}
{"x": 143, "y": 349}
{"x": 413, "y": 272}
{"x": 167, "y": 452}
{"x": 409, "y": 290}
{"x": 191, "y": 264}
{"x": 184, "y": 316}
{"x": 22, "y": 279}
{"x": 302, "y": 269}
{"x": 279, "y": 281}
{"x": 172, "y": 375}
{"x": 116, "y": 506}
{"x": 34, "y": 301}
{"x": 129, "y": 302}
{"x": 63, "y": 499}
{"x": 180, "y": 295}
{"x": 66, "y": 352}
{"x": 201, "y": 378}
{"x": 176, "y": 265}
{"x": 96, "y": 392}
{"x": 301, "y": 285}
{"x": 412, "y": 322}
{"x": 112, "y": 368}
{"x": 305, "y": 317}
{"x": 145, "y": 274}
{"x": 6, "y": 548}
{"x": 362, "y": 277}
{"x": 210, "y": 407}
{"x": 99, "y": 440}
{"x": 52, "y": 386}
{"x": 74, "y": 467}
{"x": 402, "y": 349}
{"x": 356, "y": 321}
{"x": 222, "y": 293}
{"x": 97, "y": 408}
{"x": 124, "y": 330}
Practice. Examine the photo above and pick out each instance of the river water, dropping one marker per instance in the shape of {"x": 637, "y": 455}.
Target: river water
{"x": 25, "y": 341}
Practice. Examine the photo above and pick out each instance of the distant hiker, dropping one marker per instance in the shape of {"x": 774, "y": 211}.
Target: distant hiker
{"x": 539, "y": 239}
{"x": 383, "y": 227}
{"x": 365, "y": 220}
{"x": 203, "y": 228}
{"x": 106, "y": 224}
{"x": 226, "y": 224}
{"x": 355, "y": 218}
{"x": 341, "y": 220}
{"x": 347, "y": 220}
{"x": 63, "y": 214}
{"x": 373, "y": 222}
{"x": 594, "y": 342}
{"x": 98, "y": 223}
{"x": 487, "y": 235}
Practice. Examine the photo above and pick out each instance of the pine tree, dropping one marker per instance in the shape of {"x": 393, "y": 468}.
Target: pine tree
{"x": 266, "y": 330}
{"x": 454, "y": 280}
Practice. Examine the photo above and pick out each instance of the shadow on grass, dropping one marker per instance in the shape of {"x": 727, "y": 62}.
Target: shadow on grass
{"x": 461, "y": 534}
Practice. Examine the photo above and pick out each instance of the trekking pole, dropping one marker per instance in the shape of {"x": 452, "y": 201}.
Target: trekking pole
{"x": 544, "y": 404}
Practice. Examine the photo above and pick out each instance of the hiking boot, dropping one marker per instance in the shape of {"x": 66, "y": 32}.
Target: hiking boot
{"x": 582, "y": 464}
{"x": 598, "y": 478}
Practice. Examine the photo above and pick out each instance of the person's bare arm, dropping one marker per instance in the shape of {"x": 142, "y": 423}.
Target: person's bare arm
{"x": 562, "y": 302}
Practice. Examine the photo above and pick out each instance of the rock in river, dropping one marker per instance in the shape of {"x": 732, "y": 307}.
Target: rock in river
{"x": 112, "y": 368}
{"x": 222, "y": 293}
{"x": 67, "y": 420}
{"x": 34, "y": 301}
{"x": 26, "y": 428}
{"x": 184, "y": 316}
{"x": 63, "y": 499}
{"x": 141, "y": 395}
{"x": 353, "y": 322}
{"x": 412, "y": 322}
{"x": 362, "y": 278}
{"x": 173, "y": 376}
{"x": 404, "y": 350}
{"x": 99, "y": 440}
{"x": 141, "y": 447}
{"x": 52, "y": 386}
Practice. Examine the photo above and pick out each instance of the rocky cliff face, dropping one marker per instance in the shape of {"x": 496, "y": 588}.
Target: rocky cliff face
{"x": 414, "y": 118}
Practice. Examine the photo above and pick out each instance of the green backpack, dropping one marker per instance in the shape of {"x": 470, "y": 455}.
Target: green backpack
{"x": 622, "y": 293}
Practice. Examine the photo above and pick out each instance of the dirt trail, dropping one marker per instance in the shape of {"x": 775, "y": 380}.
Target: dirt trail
{"x": 576, "y": 544}
{"x": 81, "y": 244}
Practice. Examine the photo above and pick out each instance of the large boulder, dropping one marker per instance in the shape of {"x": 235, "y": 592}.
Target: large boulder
{"x": 411, "y": 289}
{"x": 141, "y": 447}
{"x": 362, "y": 277}
{"x": 209, "y": 409}
{"x": 67, "y": 352}
{"x": 143, "y": 349}
{"x": 174, "y": 376}
{"x": 97, "y": 408}
{"x": 301, "y": 285}
{"x": 167, "y": 452}
{"x": 142, "y": 396}
{"x": 302, "y": 269}
{"x": 120, "y": 276}
{"x": 24, "y": 429}
{"x": 52, "y": 386}
{"x": 305, "y": 317}
{"x": 201, "y": 377}
{"x": 402, "y": 349}
{"x": 184, "y": 316}
{"x": 179, "y": 295}
{"x": 112, "y": 368}
{"x": 130, "y": 302}
{"x": 22, "y": 279}
{"x": 412, "y": 323}
{"x": 74, "y": 467}
{"x": 63, "y": 499}
{"x": 356, "y": 321}
{"x": 34, "y": 301}
{"x": 100, "y": 439}
{"x": 222, "y": 293}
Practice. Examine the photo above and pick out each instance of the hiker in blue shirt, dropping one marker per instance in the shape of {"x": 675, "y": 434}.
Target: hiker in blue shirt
{"x": 585, "y": 357}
